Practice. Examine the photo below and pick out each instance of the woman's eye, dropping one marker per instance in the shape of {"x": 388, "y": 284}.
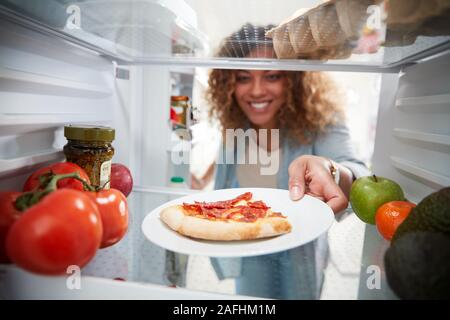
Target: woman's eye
{"x": 273, "y": 77}
{"x": 242, "y": 79}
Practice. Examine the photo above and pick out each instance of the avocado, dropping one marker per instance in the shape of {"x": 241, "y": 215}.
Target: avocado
{"x": 417, "y": 266}
{"x": 431, "y": 214}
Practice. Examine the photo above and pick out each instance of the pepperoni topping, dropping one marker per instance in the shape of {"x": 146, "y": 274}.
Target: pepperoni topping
{"x": 227, "y": 203}
{"x": 246, "y": 196}
{"x": 215, "y": 212}
{"x": 229, "y": 210}
{"x": 192, "y": 207}
{"x": 258, "y": 204}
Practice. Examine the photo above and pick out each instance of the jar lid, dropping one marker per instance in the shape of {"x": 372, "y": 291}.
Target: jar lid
{"x": 179, "y": 98}
{"x": 89, "y": 133}
{"x": 177, "y": 180}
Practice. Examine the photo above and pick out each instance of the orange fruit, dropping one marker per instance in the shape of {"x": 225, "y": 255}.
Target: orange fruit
{"x": 390, "y": 215}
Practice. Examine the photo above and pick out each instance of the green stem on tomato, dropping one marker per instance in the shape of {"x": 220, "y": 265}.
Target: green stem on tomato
{"x": 375, "y": 178}
{"x": 29, "y": 199}
{"x": 22, "y": 202}
{"x": 44, "y": 179}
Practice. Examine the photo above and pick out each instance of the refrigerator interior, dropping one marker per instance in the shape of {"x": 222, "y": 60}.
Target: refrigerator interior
{"x": 118, "y": 62}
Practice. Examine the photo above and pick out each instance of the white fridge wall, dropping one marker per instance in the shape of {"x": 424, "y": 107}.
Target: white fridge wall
{"x": 413, "y": 133}
{"x": 412, "y": 147}
{"x": 46, "y": 83}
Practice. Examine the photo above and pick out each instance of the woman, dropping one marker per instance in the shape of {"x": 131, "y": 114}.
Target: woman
{"x": 314, "y": 148}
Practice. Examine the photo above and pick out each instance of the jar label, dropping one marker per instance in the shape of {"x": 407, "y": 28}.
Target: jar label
{"x": 178, "y": 110}
{"x": 105, "y": 174}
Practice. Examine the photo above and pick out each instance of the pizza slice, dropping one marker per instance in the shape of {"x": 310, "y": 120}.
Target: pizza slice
{"x": 240, "y": 218}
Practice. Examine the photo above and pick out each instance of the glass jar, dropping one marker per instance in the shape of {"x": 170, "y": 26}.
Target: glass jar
{"x": 90, "y": 148}
{"x": 179, "y": 111}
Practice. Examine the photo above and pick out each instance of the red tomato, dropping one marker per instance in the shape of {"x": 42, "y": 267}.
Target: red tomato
{"x": 58, "y": 168}
{"x": 8, "y": 215}
{"x": 113, "y": 208}
{"x": 390, "y": 215}
{"x": 63, "y": 229}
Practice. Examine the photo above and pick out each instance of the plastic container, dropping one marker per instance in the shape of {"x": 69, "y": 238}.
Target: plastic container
{"x": 177, "y": 182}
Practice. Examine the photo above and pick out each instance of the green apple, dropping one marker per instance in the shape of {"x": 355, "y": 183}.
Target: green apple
{"x": 367, "y": 194}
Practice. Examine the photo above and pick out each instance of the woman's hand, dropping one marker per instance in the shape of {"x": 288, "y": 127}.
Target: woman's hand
{"x": 201, "y": 183}
{"x": 196, "y": 184}
{"x": 312, "y": 175}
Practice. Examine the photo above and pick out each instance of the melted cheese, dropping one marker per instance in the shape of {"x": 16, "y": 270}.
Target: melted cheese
{"x": 241, "y": 203}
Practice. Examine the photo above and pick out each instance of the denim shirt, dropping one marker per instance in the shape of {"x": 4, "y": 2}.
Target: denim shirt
{"x": 295, "y": 273}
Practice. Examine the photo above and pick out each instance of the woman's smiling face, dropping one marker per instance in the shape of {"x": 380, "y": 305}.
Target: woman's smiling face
{"x": 260, "y": 93}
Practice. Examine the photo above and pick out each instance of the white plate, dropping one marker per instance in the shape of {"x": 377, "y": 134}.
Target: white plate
{"x": 309, "y": 217}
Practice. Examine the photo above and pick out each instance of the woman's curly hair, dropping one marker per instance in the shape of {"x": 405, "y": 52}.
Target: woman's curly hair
{"x": 311, "y": 104}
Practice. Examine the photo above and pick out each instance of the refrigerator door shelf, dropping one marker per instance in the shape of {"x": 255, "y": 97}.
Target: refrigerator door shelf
{"x": 18, "y": 284}
{"x": 15, "y": 166}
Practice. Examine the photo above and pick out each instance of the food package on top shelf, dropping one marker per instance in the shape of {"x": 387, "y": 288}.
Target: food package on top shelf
{"x": 370, "y": 41}
{"x": 325, "y": 26}
{"x": 363, "y": 23}
{"x": 408, "y": 19}
{"x": 437, "y": 25}
{"x": 330, "y": 38}
{"x": 281, "y": 43}
{"x": 321, "y": 41}
{"x": 352, "y": 16}
{"x": 300, "y": 33}
{"x": 408, "y": 14}
{"x": 342, "y": 51}
{"x": 398, "y": 38}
